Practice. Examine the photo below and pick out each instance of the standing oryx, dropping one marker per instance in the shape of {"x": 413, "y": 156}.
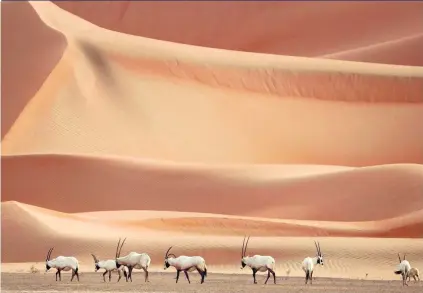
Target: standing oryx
{"x": 309, "y": 263}
{"x": 258, "y": 263}
{"x": 133, "y": 260}
{"x": 62, "y": 263}
{"x": 186, "y": 264}
{"x": 109, "y": 266}
{"x": 402, "y": 269}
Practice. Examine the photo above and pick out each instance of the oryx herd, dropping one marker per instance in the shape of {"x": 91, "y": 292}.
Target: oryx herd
{"x": 141, "y": 261}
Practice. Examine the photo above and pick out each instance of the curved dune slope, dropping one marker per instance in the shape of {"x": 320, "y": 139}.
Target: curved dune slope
{"x": 77, "y": 184}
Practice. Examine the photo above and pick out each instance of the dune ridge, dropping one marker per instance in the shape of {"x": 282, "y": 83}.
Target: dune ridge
{"x": 195, "y": 142}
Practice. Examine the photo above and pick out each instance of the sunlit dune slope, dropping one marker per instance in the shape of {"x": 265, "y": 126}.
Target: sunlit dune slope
{"x": 97, "y": 232}
{"x": 77, "y": 184}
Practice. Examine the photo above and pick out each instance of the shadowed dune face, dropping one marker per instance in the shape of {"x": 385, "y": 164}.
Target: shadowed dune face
{"x": 172, "y": 144}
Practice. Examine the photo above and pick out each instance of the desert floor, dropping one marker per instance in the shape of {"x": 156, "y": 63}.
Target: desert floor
{"x": 164, "y": 282}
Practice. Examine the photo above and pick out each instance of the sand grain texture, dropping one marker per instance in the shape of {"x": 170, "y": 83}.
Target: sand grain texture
{"x": 161, "y": 132}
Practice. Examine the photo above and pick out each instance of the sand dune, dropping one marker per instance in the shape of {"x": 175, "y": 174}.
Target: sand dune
{"x": 77, "y": 184}
{"x": 153, "y": 128}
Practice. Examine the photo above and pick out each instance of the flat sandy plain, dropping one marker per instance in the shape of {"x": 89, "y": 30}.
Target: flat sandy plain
{"x": 164, "y": 282}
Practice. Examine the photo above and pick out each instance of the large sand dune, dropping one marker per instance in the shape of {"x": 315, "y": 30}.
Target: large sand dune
{"x": 129, "y": 125}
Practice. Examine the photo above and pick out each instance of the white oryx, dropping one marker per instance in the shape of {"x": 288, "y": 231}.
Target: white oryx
{"x": 402, "y": 269}
{"x": 186, "y": 264}
{"x": 62, "y": 263}
{"x": 413, "y": 273}
{"x": 109, "y": 266}
{"x": 310, "y": 262}
{"x": 134, "y": 260}
{"x": 258, "y": 263}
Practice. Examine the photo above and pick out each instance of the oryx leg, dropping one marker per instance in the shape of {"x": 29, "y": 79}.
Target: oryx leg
{"x": 311, "y": 278}
{"x": 254, "y": 275}
{"x": 177, "y": 275}
{"x": 110, "y": 276}
{"x": 130, "y": 268}
{"x": 186, "y": 275}
{"x": 57, "y": 274}
{"x": 125, "y": 274}
{"x": 146, "y": 275}
{"x": 268, "y": 276}
{"x": 120, "y": 275}
{"x": 75, "y": 273}
{"x": 202, "y": 274}
{"x": 274, "y": 275}
{"x": 307, "y": 276}
{"x": 104, "y": 276}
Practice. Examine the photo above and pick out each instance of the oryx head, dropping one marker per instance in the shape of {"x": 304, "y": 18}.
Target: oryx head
{"x": 244, "y": 257}
{"x": 48, "y": 266}
{"x": 118, "y": 251}
{"x": 167, "y": 256}
{"x": 399, "y": 258}
{"x": 319, "y": 253}
{"x": 95, "y": 263}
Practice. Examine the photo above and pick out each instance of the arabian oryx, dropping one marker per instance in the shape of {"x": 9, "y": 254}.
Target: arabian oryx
{"x": 310, "y": 262}
{"x": 133, "y": 260}
{"x": 186, "y": 264}
{"x": 109, "y": 266}
{"x": 402, "y": 269}
{"x": 62, "y": 263}
{"x": 258, "y": 263}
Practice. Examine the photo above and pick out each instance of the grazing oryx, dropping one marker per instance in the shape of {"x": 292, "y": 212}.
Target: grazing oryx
{"x": 413, "y": 273}
{"x": 309, "y": 263}
{"x": 62, "y": 263}
{"x": 402, "y": 269}
{"x": 186, "y": 264}
{"x": 133, "y": 260}
{"x": 109, "y": 266}
{"x": 258, "y": 263}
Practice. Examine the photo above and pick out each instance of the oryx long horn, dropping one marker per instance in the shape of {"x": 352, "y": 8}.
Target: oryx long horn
{"x": 166, "y": 254}
{"x": 242, "y": 249}
{"x": 399, "y": 257}
{"x": 120, "y": 249}
{"x": 404, "y": 257}
{"x": 246, "y": 244}
{"x": 117, "y": 249}
{"x": 48, "y": 254}
{"x": 95, "y": 259}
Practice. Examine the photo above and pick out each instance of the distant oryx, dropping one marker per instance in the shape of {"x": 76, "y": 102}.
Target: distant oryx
{"x": 62, "y": 263}
{"x": 309, "y": 263}
{"x": 186, "y": 264}
{"x": 258, "y": 263}
{"x": 133, "y": 260}
{"x": 109, "y": 266}
{"x": 402, "y": 269}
